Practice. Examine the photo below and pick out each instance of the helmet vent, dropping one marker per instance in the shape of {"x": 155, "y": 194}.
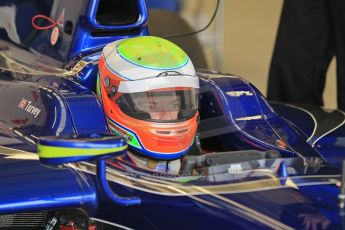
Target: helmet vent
{"x": 182, "y": 131}
{"x": 163, "y": 132}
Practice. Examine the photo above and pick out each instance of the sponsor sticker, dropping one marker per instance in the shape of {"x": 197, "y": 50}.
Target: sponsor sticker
{"x": 54, "y": 36}
{"x": 235, "y": 169}
{"x": 239, "y": 93}
{"x": 27, "y": 106}
{"x": 249, "y": 118}
{"x": 61, "y": 18}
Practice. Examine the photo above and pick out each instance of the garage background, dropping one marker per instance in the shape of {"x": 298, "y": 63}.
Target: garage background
{"x": 241, "y": 39}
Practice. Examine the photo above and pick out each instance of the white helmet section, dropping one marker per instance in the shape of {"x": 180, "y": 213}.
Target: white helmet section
{"x": 129, "y": 71}
{"x": 158, "y": 83}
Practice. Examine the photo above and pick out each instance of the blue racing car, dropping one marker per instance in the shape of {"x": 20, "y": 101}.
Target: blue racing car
{"x": 103, "y": 126}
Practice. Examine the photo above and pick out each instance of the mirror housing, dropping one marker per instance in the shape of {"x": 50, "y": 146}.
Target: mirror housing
{"x": 60, "y": 150}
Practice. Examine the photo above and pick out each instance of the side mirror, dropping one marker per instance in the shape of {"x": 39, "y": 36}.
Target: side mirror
{"x": 99, "y": 147}
{"x": 60, "y": 150}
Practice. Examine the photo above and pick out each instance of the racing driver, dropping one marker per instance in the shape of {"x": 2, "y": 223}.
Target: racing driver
{"x": 149, "y": 91}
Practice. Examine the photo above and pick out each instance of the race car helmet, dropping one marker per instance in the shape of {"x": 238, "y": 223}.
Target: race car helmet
{"x": 149, "y": 92}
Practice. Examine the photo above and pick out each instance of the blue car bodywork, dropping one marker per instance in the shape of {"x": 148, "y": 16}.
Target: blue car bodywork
{"x": 262, "y": 165}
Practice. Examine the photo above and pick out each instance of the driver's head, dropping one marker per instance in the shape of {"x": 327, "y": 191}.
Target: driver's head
{"x": 163, "y": 106}
{"x": 150, "y": 94}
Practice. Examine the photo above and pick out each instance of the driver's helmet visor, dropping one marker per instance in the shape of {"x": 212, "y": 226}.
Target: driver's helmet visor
{"x": 171, "y": 99}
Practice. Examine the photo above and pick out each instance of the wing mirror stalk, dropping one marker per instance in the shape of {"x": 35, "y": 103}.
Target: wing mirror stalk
{"x": 99, "y": 147}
